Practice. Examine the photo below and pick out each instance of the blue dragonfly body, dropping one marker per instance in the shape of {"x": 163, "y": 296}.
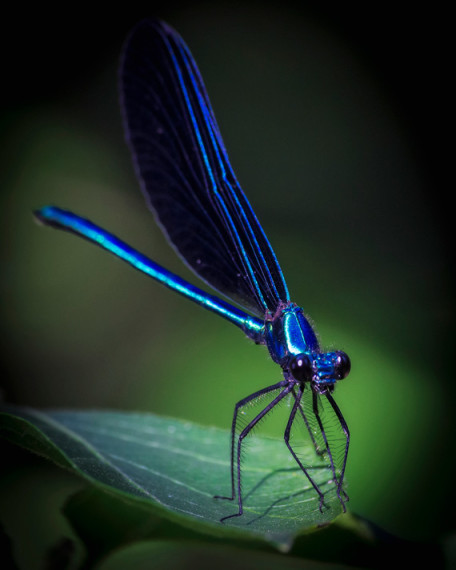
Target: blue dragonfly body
{"x": 188, "y": 182}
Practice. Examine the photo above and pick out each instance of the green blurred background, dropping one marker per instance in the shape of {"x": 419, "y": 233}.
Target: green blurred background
{"x": 334, "y": 122}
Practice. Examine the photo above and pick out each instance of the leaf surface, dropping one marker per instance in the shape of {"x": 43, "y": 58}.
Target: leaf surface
{"x": 176, "y": 467}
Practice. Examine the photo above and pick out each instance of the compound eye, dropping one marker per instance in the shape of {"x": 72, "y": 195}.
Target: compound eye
{"x": 343, "y": 365}
{"x": 301, "y": 368}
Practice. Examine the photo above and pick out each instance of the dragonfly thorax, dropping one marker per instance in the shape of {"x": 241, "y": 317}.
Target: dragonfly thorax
{"x": 292, "y": 343}
{"x": 288, "y": 333}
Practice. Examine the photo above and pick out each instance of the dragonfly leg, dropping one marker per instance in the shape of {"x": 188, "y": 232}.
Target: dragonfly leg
{"x": 248, "y": 428}
{"x": 296, "y": 407}
{"x": 338, "y": 480}
{"x": 306, "y": 422}
{"x": 237, "y": 408}
{"x": 346, "y": 431}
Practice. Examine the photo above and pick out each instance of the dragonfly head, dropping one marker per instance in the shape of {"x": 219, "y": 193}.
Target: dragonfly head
{"x": 321, "y": 369}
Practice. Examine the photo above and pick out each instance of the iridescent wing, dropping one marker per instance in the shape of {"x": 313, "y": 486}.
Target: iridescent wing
{"x": 185, "y": 173}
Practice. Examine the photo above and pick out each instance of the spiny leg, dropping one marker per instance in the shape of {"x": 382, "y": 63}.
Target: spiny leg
{"x": 346, "y": 431}
{"x": 328, "y": 449}
{"x": 237, "y": 408}
{"x": 306, "y": 422}
{"x": 244, "y": 434}
{"x": 296, "y": 406}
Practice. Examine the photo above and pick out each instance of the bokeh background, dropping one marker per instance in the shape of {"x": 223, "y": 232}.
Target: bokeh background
{"x": 335, "y": 121}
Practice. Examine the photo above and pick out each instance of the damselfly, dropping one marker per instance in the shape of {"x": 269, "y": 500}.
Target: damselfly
{"x": 188, "y": 182}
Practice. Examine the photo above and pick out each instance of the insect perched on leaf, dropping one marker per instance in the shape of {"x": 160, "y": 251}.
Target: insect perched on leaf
{"x": 189, "y": 184}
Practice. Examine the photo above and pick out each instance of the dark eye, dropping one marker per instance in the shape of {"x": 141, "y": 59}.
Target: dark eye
{"x": 342, "y": 365}
{"x": 301, "y": 368}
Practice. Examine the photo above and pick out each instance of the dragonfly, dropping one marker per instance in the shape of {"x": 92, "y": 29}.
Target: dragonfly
{"x": 188, "y": 183}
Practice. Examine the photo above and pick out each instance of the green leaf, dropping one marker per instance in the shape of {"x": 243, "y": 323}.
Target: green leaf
{"x": 162, "y": 555}
{"x": 176, "y": 467}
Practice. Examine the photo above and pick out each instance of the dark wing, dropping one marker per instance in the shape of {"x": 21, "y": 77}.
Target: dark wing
{"x": 185, "y": 173}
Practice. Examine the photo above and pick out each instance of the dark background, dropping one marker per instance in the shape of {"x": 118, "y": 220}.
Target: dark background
{"x": 336, "y": 119}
